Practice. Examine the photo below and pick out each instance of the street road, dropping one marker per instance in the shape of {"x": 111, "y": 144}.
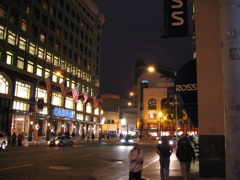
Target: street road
{"x": 87, "y": 161}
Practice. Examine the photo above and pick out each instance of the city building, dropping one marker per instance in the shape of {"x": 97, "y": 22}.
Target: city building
{"x": 119, "y": 116}
{"x": 47, "y": 49}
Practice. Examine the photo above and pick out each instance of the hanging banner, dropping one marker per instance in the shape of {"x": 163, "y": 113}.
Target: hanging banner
{"x": 175, "y": 18}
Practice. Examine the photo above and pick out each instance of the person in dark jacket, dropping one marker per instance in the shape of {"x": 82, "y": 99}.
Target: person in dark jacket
{"x": 164, "y": 150}
{"x": 14, "y": 137}
{"x": 185, "y": 154}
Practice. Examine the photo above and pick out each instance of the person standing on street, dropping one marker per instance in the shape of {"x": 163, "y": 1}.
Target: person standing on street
{"x": 135, "y": 157}
{"x": 185, "y": 154}
{"x": 14, "y": 137}
{"x": 164, "y": 151}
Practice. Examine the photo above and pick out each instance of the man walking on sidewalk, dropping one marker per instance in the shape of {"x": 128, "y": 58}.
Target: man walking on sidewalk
{"x": 135, "y": 157}
{"x": 164, "y": 151}
{"x": 185, "y": 154}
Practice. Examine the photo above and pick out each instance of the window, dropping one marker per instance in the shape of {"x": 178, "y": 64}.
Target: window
{"x": 56, "y": 61}
{"x": 96, "y": 111}
{"x": 32, "y": 48}
{"x": 22, "y": 90}
{"x": 41, "y": 93}
{"x": 152, "y": 104}
{"x": 58, "y": 31}
{"x": 63, "y": 64}
{"x": 60, "y": 16}
{"x": 39, "y": 71}
{"x": 24, "y": 25}
{"x": 68, "y": 67}
{"x": 1, "y": 32}
{"x": 26, "y": 7}
{"x": 18, "y": 105}
{"x": 49, "y": 57}
{"x": 56, "y": 99}
{"x": 68, "y": 82}
{"x": 79, "y": 106}
{"x": 11, "y": 38}
{"x": 57, "y": 46}
{"x": 89, "y": 108}
{"x": 40, "y": 53}
{"x": 20, "y": 62}
{"x": 74, "y": 71}
{"x": 34, "y": 31}
{"x": 47, "y": 73}
{"x": 9, "y": 59}
{"x": 42, "y": 37}
{"x": 36, "y": 13}
{"x": 2, "y": 11}
{"x": 152, "y": 115}
{"x": 73, "y": 84}
{"x": 69, "y": 103}
{"x": 54, "y": 77}
{"x": 4, "y": 86}
{"x": 22, "y": 43}
{"x": 53, "y": 10}
{"x": 52, "y": 25}
{"x": 30, "y": 66}
{"x": 14, "y": 19}
{"x": 44, "y": 20}
{"x": 45, "y": 5}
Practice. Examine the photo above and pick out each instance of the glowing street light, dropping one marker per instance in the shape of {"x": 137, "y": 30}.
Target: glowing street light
{"x": 151, "y": 69}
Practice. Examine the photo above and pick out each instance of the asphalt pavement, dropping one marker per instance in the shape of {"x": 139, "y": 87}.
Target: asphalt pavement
{"x": 86, "y": 160}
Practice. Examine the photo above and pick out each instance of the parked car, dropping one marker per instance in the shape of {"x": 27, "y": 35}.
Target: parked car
{"x": 61, "y": 141}
{"x": 3, "y": 141}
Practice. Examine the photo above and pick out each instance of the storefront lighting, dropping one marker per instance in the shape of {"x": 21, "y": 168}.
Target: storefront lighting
{"x": 48, "y": 124}
{"x": 62, "y": 125}
{"x": 31, "y": 122}
{"x": 74, "y": 126}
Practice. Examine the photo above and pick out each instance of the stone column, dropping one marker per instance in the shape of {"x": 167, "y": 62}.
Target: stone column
{"x": 230, "y": 37}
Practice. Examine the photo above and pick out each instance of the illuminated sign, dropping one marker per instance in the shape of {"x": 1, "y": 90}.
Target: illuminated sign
{"x": 186, "y": 87}
{"x": 63, "y": 112}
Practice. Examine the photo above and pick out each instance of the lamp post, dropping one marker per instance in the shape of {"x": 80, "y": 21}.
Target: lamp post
{"x": 160, "y": 115}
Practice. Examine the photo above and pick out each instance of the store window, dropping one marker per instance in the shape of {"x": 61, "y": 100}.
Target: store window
{"x": 152, "y": 115}
{"x": 11, "y": 38}
{"x": 39, "y": 71}
{"x": 22, "y": 90}
{"x": 89, "y": 108}
{"x": 32, "y": 48}
{"x": 152, "y": 104}
{"x": 20, "y": 62}
{"x": 40, "y": 53}
{"x": 69, "y": 103}
{"x": 22, "y": 43}
{"x": 79, "y": 116}
{"x": 1, "y": 32}
{"x": 21, "y": 106}
{"x": 9, "y": 59}
{"x": 42, "y": 93}
{"x": 30, "y": 66}
{"x": 56, "y": 99}
{"x": 4, "y": 86}
{"x": 24, "y": 25}
{"x": 79, "y": 105}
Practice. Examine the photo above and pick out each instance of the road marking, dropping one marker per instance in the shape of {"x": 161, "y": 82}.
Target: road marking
{"x": 15, "y": 167}
{"x": 150, "y": 163}
{"x": 87, "y": 155}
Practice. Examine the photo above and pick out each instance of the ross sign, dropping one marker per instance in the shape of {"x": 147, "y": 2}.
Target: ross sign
{"x": 186, "y": 88}
{"x": 63, "y": 112}
{"x": 176, "y": 18}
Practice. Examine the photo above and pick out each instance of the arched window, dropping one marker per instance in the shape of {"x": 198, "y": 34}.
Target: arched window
{"x": 79, "y": 105}
{"x": 152, "y": 104}
{"x": 89, "y": 108}
{"x": 4, "y": 85}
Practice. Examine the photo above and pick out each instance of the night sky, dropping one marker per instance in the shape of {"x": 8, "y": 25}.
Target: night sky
{"x": 132, "y": 31}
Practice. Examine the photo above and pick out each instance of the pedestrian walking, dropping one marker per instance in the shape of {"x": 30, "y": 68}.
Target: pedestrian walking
{"x": 93, "y": 137}
{"x": 14, "y": 137}
{"x": 135, "y": 157}
{"x": 19, "y": 139}
{"x": 164, "y": 151}
{"x": 73, "y": 135}
{"x": 185, "y": 154}
{"x": 23, "y": 138}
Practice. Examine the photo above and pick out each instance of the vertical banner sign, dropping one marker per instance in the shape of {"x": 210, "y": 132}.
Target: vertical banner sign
{"x": 175, "y": 18}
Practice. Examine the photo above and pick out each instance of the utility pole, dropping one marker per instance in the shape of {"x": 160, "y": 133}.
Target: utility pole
{"x": 230, "y": 39}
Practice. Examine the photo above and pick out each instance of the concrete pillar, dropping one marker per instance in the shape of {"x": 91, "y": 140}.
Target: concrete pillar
{"x": 210, "y": 89}
{"x": 230, "y": 37}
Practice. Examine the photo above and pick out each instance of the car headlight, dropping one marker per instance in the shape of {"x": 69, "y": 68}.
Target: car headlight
{"x": 160, "y": 142}
{"x": 123, "y": 140}
{"x": 56, "y": 142}
{"x": 130, "y": 140}
{"x": 171, "y": 142}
